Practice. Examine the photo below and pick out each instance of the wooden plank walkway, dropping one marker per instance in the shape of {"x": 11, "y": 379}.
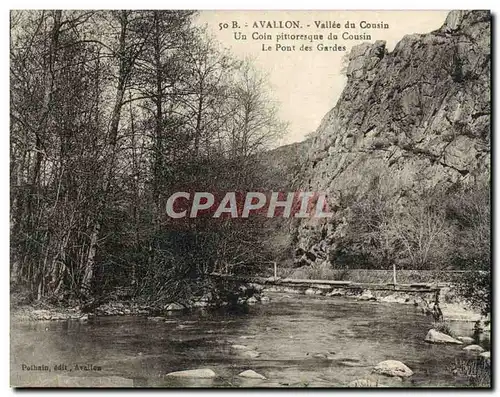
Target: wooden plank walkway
{"x": 330, "y": 284}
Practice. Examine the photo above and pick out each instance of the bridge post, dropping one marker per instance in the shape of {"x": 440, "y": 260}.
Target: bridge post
{"x": 394, "y": 273}
{"x": 275, "y": 270}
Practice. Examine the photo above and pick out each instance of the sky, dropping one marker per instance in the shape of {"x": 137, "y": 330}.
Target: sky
{"x": 308, "y": 84}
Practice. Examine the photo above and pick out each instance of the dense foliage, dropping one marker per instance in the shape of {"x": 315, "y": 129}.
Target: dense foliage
{"x": 445, "y": 228}
{"x": 112, "y": 112}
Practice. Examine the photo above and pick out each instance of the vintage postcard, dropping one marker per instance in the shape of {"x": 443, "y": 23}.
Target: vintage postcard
{"x": 250, "y": 199}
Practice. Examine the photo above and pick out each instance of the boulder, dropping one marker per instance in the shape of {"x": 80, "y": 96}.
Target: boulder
{"x": 174, "y": 306}
{"x": 252, "y": 300}
{"x": 240, "y": 347}
{"x": 434, "y": 336}
{"x": 309, "y": 291}
{"x": 42, "y": 314}
{"x": 200, "y": 304}
{"x": 156, "y": 319}
{"x": 367, "y": 296}
{"x": 323, "y": 356}
{"x": 474, "y": 348}
{"x": 184, "y": 326}
{"x": 386, "y": 381}
{"x": 291, "y": 290}
{"x": 465, "y": 339}
{"x": 486, "y": 355}
{"x": 251, "y": 374}
{"x": 250, "y": 354}
{"x": 393, "y": 299}
{"x": 245, "y": 351}
{"x": 392, "y": 368}
{"x": 203, "y": 373}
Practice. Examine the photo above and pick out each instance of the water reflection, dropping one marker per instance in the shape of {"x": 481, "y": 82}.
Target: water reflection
{"x": 302, "y": 341}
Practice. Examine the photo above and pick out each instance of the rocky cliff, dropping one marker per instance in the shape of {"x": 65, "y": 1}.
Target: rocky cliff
{"x": 407, "y": 120}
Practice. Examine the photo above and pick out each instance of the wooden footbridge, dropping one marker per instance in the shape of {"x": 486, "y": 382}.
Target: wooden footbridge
{"x": 333, "y": 284}
{"x": 328, "y": 285}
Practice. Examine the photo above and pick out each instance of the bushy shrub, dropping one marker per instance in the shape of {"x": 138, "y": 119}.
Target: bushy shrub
{"x": 447, "y": 227}
{"x": 477, "y": 372}
{"x": 444, "y": 327}
{"x": 475, "y": 287}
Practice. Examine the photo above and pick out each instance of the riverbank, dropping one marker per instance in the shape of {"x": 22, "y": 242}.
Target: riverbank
{"x": 453, "y": 307}
{"x": 21, "y": 310}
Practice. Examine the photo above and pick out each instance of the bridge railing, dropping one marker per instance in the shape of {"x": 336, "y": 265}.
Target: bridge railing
{"x": 395, "y": 276}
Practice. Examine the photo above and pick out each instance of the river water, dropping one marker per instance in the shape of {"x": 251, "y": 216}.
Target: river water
{"x": 302, "y": 340}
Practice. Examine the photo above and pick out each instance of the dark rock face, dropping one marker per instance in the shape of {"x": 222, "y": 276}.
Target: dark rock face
{"x": 411, "y": 119}
{"x": 283, "y": 165}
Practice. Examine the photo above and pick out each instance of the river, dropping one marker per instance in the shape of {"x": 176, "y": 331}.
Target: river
{"x": 289, "y": 331}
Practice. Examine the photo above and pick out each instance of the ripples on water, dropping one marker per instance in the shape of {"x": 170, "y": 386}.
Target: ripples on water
{"x": 302, "y": 341}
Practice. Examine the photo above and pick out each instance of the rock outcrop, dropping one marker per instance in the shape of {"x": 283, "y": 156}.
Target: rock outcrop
{"x": 392, "y": 368}
{"x": 249, "y": 354}
{"x": 407, "y": 120}
{"x": 251, "y": 374}
{"x": 466, "y": 339}
{"x": 434, "y": 336}
{"x": 240, "y": 347}
{"x": 202, "y": 373}
{"x": 245, "y": 351}
{"x": 474, "y": 348}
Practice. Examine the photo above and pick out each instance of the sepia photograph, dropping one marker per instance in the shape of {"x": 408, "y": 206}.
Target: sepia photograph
{"x": 250, "y": 199}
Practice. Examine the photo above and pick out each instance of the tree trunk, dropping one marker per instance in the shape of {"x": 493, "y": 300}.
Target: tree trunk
{"x": 158, "y": 159}
{"x": 40, "y": 131}
{"x": 124, "y": 72}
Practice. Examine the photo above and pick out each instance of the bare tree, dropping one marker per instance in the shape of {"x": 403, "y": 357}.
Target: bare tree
{"x": 111, "y": 111}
